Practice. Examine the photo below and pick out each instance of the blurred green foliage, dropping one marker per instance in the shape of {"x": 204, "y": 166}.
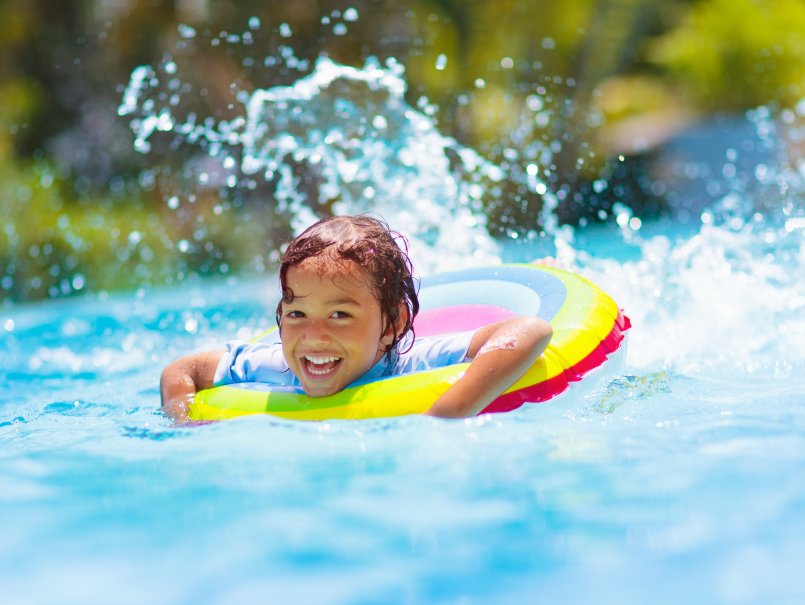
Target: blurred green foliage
{"x": 83, "y": 211}
{"x": 735, "y": 54}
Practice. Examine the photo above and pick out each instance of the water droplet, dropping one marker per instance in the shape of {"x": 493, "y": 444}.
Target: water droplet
{"x": 339, "y": 29}
{"x": 186, "y": 32}
{"x": 254, "y": 23}
{"x": 761, "y": 172}
{"x": 142, "y": 146}
{"x": 495, "y": 173}
{"x": 441, "y": 62}
{"x": 77, "y": 282}
{"x": 534, "y": 102}
{"x": 794, "y": 224}
{"x": 351, "y": 14}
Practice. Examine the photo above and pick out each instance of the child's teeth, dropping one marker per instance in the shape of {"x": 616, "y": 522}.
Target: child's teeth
{"x": 320, "y": 360}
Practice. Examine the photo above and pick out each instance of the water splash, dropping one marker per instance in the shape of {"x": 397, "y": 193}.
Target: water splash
{"x": 370, "y": 151}
{"x": 352, "y": 132}
{"x": 724, "y": 292}
{"x": 719, "y": 300}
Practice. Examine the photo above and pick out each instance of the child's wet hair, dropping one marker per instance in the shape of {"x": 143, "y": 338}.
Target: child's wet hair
{"x": 371, "y": 244}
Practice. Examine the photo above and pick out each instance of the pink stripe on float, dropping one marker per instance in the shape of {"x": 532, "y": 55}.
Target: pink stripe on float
{"x": 544, "y": 391}
{"x": 458, "y": 318}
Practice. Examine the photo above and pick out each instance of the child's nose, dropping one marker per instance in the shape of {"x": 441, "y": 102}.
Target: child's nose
{"x": 316, "y": 332}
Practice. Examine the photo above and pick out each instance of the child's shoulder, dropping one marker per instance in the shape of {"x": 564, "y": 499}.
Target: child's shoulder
{"x": 245, "y": 361}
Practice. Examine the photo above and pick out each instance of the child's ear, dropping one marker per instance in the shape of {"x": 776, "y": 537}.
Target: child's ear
{"x": 395, "y": 327}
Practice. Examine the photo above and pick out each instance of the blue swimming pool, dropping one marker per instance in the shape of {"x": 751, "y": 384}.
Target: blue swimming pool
{"x": 676, "y": 478}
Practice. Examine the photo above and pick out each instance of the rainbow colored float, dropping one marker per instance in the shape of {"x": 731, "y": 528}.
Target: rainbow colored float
{"x": 587, "y": 328}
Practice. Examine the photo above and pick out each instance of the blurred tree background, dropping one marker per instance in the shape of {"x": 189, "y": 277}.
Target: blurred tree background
{"x": 600, "y": 83}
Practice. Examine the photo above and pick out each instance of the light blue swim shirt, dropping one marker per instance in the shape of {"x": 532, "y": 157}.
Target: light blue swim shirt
{"x": 264, "y": 362}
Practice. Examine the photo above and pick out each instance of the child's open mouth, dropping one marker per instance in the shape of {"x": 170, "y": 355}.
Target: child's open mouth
{"x": 320, "y": 366}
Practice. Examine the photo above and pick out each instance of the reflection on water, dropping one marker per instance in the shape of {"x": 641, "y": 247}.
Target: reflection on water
{"x": 620, "y": 391}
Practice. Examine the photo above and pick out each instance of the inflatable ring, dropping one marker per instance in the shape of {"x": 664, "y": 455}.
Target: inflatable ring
{"x": 587, "y": 328}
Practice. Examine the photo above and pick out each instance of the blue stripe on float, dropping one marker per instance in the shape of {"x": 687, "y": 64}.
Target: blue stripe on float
{"x": 523, "y": 290}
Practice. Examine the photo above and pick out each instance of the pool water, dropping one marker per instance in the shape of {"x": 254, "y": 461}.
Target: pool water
{"x": 677, "y": 477}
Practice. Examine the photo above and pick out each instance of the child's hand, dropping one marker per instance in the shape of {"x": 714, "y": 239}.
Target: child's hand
{"x": 178, "y": 409}
{"x": 183, "y": 378}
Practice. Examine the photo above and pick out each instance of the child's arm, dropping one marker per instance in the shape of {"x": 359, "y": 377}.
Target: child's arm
{"x": 500, "y": 353}
{"x": 183, "y": 378}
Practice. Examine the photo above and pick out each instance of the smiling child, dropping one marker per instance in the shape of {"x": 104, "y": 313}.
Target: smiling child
{"x": 347, "y": 310}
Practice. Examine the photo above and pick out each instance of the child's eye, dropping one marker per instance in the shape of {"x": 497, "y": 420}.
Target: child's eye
{"x": 294, "y": 314}
{"x": 340, "y": 315}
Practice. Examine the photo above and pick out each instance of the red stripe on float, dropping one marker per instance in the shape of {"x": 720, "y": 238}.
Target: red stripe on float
{"x": 550, "y": 388}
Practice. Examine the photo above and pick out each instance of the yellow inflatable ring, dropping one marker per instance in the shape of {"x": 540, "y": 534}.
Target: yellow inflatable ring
{"x": 587, "y": 328}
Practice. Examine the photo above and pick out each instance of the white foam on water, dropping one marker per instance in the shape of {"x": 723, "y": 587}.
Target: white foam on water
{"x": 717, "y": 300}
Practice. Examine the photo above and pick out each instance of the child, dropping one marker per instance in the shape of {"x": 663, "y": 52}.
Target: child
{"x": 347, "y": 312}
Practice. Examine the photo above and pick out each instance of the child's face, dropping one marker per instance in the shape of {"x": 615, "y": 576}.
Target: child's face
{"x": 332, "y": 331}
